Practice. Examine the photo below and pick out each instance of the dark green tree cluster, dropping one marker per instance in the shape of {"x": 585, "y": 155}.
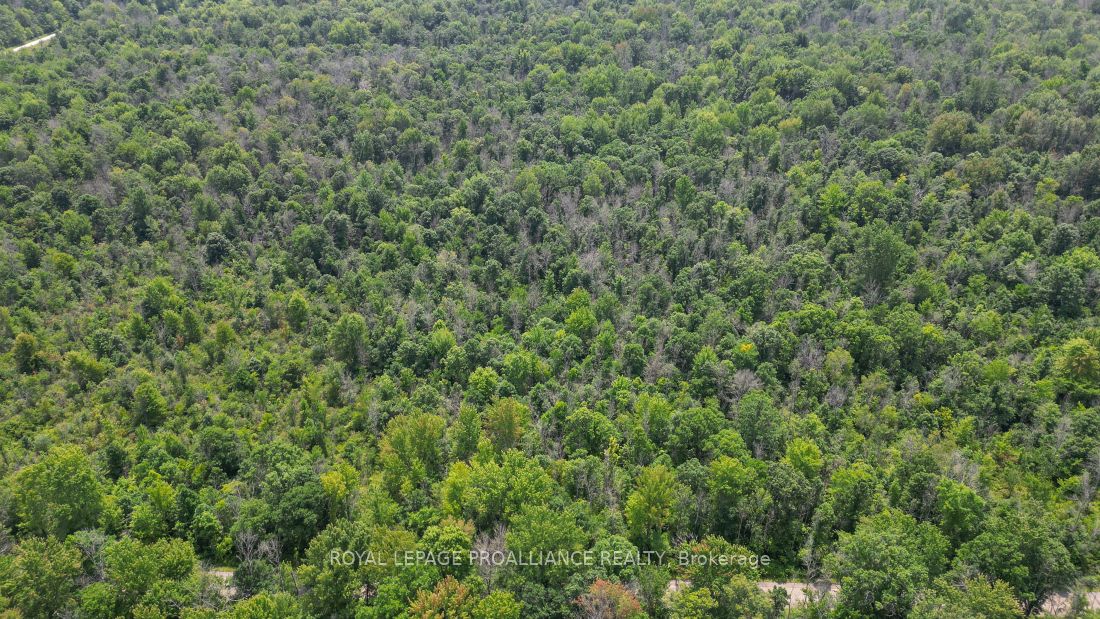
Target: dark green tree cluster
{"x": 813, "y": 279}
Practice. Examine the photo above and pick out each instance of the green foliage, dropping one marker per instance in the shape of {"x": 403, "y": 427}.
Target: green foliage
{"x": 266, "y": 606}
{"x": 412, "y": 454}
{"x": 158, "y": 576}
{"x": 810, "y": 279}
{"x": 505, "y": 423}
{"x": 40, "y": 578}
{"x": 349, "y": 340}
{"x": 975, "y": 597}
{"x": 651, "y": 509}
{"x": 883, "y": 565}
{"x": 23, "y": 351}
{"x": 961, "y": 510}
{"x": 949, "y": 132}
{"x": 149, "y": 406}
{"x": 488, "y": 493}
{"x": 59, "y": 494}
{"x": 879, "y": 251}
{"x": 1022, "y": 549}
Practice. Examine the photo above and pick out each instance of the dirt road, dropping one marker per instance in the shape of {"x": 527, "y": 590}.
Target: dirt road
{"x": 34, "y": 43}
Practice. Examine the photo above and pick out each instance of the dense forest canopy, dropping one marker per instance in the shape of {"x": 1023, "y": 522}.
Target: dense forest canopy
{"x": 815, "y": 280}
{"x": 22, "y": 20}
